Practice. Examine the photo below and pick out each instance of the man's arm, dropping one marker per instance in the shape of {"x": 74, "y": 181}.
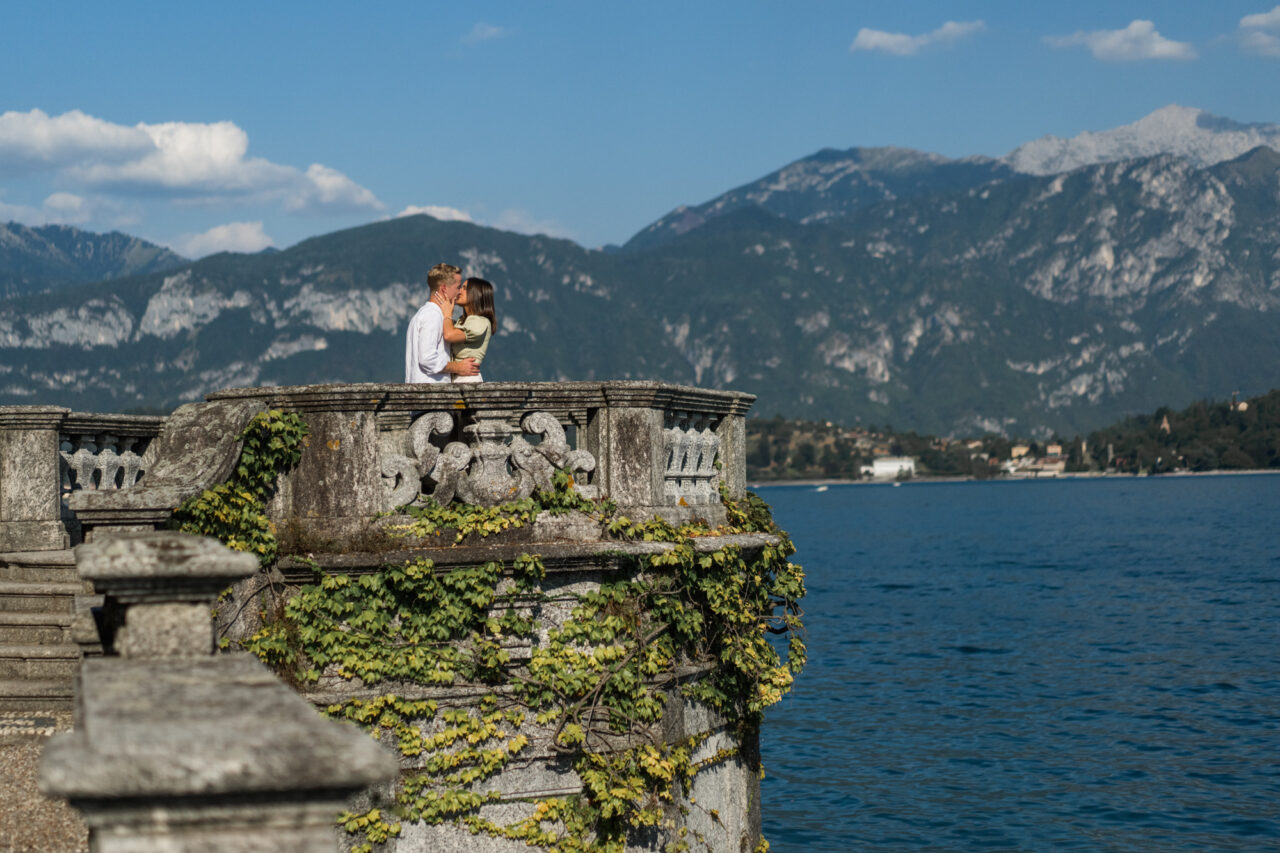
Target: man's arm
{"x": 429, "y": 357}
{"x": 464, "y": 367}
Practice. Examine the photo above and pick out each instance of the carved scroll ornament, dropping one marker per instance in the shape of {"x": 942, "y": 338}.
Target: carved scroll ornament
{"x": 494, "y": 464}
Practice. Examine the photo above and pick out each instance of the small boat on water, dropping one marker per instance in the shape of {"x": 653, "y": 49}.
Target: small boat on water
{"x": 821, "y": 489}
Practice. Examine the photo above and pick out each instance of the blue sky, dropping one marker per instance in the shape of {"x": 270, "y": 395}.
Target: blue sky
{"x": 240, "y": 125}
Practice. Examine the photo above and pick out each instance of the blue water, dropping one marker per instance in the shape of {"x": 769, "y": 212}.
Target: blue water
{"x": 1069, "y": 665}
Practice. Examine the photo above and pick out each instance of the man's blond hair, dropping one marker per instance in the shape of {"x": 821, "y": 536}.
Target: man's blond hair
{"x": 441, "y": 274}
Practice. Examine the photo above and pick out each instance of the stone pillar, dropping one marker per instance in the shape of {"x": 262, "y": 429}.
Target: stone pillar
{"x": 176, "y": 749}
{"x": 337, "y": 485}
{"x": 733, "y": 450}
{"x": 30, "y": 480}
{"x": 628, "y": 447}
{"x": 158, "y": 588}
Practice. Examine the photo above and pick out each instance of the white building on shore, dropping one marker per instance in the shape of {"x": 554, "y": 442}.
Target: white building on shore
{"x": 890, "y": 468}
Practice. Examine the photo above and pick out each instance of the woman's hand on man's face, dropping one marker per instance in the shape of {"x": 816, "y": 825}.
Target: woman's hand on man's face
{"x": 446, "y": 304}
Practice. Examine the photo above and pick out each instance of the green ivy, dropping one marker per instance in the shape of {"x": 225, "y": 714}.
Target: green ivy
{"x": 432, "y": 519}
{"x": 605, "y": 671}
{"x": 235, "y": 511}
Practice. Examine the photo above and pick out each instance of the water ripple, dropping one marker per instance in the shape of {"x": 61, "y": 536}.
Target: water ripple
{"x": 1015, "y": 666}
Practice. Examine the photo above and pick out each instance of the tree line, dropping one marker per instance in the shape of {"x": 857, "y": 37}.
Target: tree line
{"x": 1205, "y": 436}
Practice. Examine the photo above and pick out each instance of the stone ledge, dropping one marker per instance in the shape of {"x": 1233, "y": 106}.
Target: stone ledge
{"x": 601, "y": 555}
{"x": 61, "y": 558}
{"x": 497, "y": 397}
{"x": 162, "y": 565}
{"x": 201, "y": 727}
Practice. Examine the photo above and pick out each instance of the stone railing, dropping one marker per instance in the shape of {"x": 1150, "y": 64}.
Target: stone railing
{"x": 104, "y": 452}
{"x": 653, "y": 448}
{"x": 48, "y": 451}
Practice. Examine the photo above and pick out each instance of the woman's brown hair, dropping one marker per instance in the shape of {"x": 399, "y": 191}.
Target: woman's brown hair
{"x": 480, "y": 301}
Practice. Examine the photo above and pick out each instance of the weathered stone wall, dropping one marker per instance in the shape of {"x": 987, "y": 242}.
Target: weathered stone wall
{"x": 722, "y": 807}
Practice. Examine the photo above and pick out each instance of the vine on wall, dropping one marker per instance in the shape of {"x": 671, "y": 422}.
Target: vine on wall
{"x": 683, "y": 621}
{"x": 235, "y": 512}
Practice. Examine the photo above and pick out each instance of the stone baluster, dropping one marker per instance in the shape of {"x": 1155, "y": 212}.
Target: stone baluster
{"x": 708, "y": 444}
{"x": 671, "y": 457}
{"x": 176, "y": 748}
{"x": 109, "y": 461}
{"x": 130, "y": 462}
{"x": 84, "y": 462}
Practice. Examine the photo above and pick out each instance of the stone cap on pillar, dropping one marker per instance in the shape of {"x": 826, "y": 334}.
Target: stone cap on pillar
{"x": 201, "y": 728}
{"x": 162, "y": 566}
{"x": 32, "y": 417}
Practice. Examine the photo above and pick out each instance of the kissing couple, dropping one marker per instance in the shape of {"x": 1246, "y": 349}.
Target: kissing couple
{"x": 437, "y": 349}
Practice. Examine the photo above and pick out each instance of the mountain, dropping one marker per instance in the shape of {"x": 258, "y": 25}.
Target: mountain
{"x": 330, "y": 309}
{"x": 35, "y": 259}
{"x": 1192, "y": 134}
{"x": 831, "y": 184}
{"x": 1025, "y": 305}
{"x": 883, "y": 286}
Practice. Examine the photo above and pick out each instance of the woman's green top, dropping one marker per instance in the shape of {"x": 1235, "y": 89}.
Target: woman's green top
{"x": 478, "y": 333}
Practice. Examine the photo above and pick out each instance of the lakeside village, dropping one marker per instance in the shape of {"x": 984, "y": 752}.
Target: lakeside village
{"x": 1206, "y": 436}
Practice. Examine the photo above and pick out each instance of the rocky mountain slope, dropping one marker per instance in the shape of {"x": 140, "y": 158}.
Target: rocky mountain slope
{"x": 1020, "y": 304}
{"x": 1194, "y": 135}
{"x": 832, "y": 184}
{"x": 35, "y": 259}
{"x": 828, "y": 185}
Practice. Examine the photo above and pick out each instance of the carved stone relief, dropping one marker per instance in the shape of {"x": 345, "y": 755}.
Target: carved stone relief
{"x": 495, "y": 463}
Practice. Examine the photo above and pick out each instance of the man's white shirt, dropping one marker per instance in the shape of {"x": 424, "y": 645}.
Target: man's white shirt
{"x": 425, "y": 352}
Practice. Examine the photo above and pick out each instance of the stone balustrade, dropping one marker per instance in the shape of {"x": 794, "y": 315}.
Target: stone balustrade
{"x": 174, "y": 745}
{"x": 104, "y": 452}
{"x": 653, "y": 448}
{"x": 49, "y": 451}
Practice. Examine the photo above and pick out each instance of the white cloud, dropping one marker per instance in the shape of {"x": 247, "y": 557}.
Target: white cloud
{"x": 21, "y": 213}
{"x": 1254, "y": 37}
{"x": 485, "y": 32}
{"x": 328, "y": 189}
{"x": 61, "y": 208}
{"x": 435, "y": 211}
{"x": 901, "y": 44}
{"x": 179, "y": 159}
{"x": 1263, "y": 44}
{"x": 524, "y": 222}
{"x": 511, "y": 219}
{"x": 1137, "y": 41}
{"x": 232, "y": 237}
{"x": 68, "y": 209}
{"x": 37, "y": 140}
{"x": 1262, "y": 20}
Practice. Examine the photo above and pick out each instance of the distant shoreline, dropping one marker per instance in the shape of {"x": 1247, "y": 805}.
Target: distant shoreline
{"x": 1074, "y": 475}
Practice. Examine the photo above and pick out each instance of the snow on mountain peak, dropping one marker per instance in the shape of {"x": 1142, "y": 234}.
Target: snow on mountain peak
{"x": 1199, "y": 137}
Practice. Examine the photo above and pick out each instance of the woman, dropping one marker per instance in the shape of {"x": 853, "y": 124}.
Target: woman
{"x": 470, "y": 338}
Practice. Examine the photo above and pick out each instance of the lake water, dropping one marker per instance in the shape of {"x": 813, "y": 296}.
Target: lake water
{"x": 1051, "y": 665}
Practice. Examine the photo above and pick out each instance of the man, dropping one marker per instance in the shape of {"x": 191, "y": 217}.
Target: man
{"x": 426, "y": 355}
